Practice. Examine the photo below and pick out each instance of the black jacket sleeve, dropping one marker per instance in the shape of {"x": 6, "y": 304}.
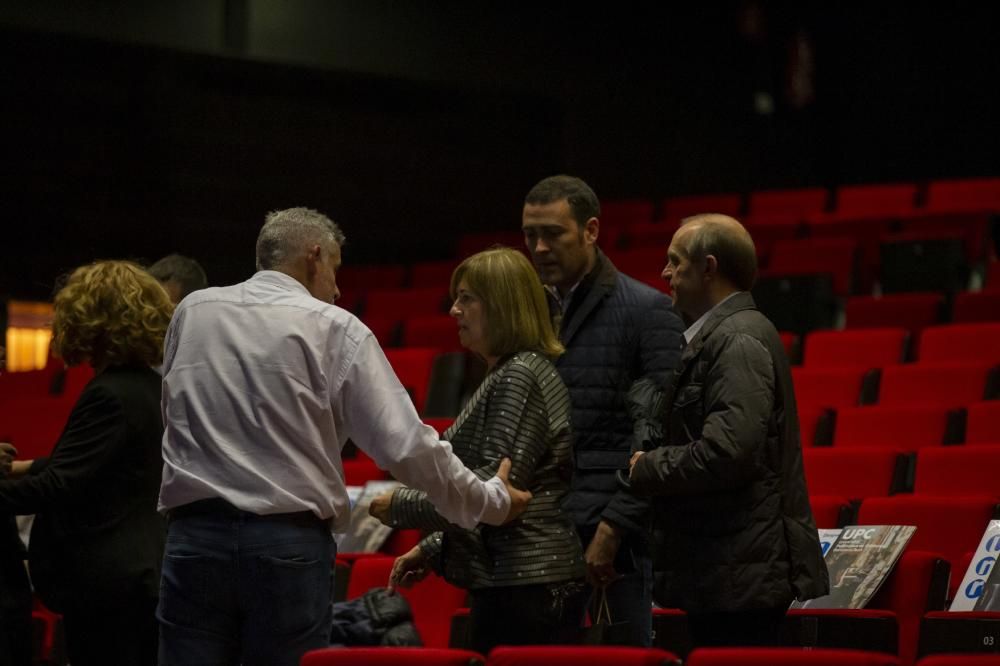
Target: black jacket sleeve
{"x": 94, "y": 434}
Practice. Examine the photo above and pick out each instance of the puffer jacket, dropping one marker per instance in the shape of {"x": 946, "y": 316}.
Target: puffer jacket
{"x": 732, "y": 526}
{"x": 616, "y": 330}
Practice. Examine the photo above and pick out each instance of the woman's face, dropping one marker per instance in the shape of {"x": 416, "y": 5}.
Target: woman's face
{"x": 468, "y": 312}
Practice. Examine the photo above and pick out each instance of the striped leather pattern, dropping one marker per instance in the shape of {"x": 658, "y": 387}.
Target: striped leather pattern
{"x": 520, "y": 411}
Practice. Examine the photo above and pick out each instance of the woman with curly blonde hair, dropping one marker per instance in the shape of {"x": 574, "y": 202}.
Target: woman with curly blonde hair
{"x": 97, "y": 541}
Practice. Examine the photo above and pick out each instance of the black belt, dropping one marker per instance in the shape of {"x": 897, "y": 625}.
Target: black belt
{"x": 216, "y": 506}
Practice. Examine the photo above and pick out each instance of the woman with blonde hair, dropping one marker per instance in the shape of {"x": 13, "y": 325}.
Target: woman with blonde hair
{"x": 524, "y": 578}
{"x": 97, "y": 542}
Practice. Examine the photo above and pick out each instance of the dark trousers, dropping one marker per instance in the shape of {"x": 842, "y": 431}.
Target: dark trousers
{"x": 239, "y": 588}
{"x": 758, "y": 627}
{"x": 15, "y": 612}
{"x": 15, "y": 605}
{"x": 112, "y": 634}
{"x": 546, "y": 614}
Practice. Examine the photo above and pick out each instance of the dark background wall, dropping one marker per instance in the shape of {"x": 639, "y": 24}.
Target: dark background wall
{"x": 133, "y": 129}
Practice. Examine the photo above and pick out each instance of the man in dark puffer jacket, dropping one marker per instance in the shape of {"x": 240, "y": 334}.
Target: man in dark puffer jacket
{"x": 615, "y": 330}
{"x": 734, "y": 535}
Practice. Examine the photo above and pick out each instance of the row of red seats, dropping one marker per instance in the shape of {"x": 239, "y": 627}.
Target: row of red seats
{"x": 950, "y": 384}
{"x": 625, "y": 656}
{"x": 865, "y": 213}
{"x": 926, "y": 576}
{"x": 942, "y": 196}
{"x": 621, "y": 656}
{"x": 886, "y": 346}
{"x": 898, "y": 427}
{"x": 428, "y": 326}
{"x": 918, "y": 310}
{"x": 917, "y": 586}
{"x": 948, "y": 471}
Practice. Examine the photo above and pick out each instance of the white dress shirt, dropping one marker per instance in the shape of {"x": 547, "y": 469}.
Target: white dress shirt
{"x": 262, "y": 386}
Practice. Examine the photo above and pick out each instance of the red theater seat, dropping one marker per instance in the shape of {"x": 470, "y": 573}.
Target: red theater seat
{"x": 790, "y": 341}
{"x": 958, "y": 470}
{"x": 677, "y": 208}
{"x": 976, "y": 307}
{"x": 432, "y": 600}
{"x": 951, "y": 526}
{"x": 982, "y": 424}
{"x": 992, "y": 276}
{"x": 626, "y": 211}
{"x": 904, "y": 428}
{"x": 961, "y": 635}
{"x": 867, "y": 348}
{"x": 960, "y": 660}
{"x": 391, "y": 656}
{"x": 875, "y": 200}
{"x": 976, "y": 343}
{"x": 786, "y": 203}
{"x": 830, "y": 511}
{"x": 33, "y": 424}
{"x": 384, "y": 328}
{"x": 854, "y": 473}
{"x": 972, "y": 194}
{"x": 413, "y": 366}
{"x": 639, "y": 261}
{"x": 890, "y": 622}
{"x": 576, "y": 655}
{"x": 787, "y": 656}
{"x": 912, "y": 311}
{"x": 437, "y": 330}
{"x": 945, "y": 384}
{"x": 404, "y": 303}
{"x": 359, "y": 277}
{"x": 815, "y": 425}
{"x": 646, "y": 235}
{"x": 833, "y": 387}
{"x": 836, "y": 257}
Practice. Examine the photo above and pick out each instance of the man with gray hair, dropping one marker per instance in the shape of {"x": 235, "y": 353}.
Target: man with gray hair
{"x": 263, "y": 383}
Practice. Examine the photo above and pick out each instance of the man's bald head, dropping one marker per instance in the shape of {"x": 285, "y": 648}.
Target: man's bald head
{"x": 727, "y": 240}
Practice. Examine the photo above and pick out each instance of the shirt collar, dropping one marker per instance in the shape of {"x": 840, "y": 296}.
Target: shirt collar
{"x": 692, "y": 330}
{"x": 563, "y": 302}
{"x": 279, "y": 279}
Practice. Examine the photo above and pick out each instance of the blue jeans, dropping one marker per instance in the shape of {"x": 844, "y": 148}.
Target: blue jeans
{"x": 630, "y": 598}
{"x": 244, "y": 589}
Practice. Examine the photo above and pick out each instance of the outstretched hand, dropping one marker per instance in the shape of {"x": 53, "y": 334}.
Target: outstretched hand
{"x": 518, "y": 498}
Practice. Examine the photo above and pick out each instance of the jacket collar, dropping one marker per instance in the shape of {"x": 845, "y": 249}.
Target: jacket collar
{"x": 737, "y": 303}
{"x": 598, "y": 284}
{"x": 741, "y": 301}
